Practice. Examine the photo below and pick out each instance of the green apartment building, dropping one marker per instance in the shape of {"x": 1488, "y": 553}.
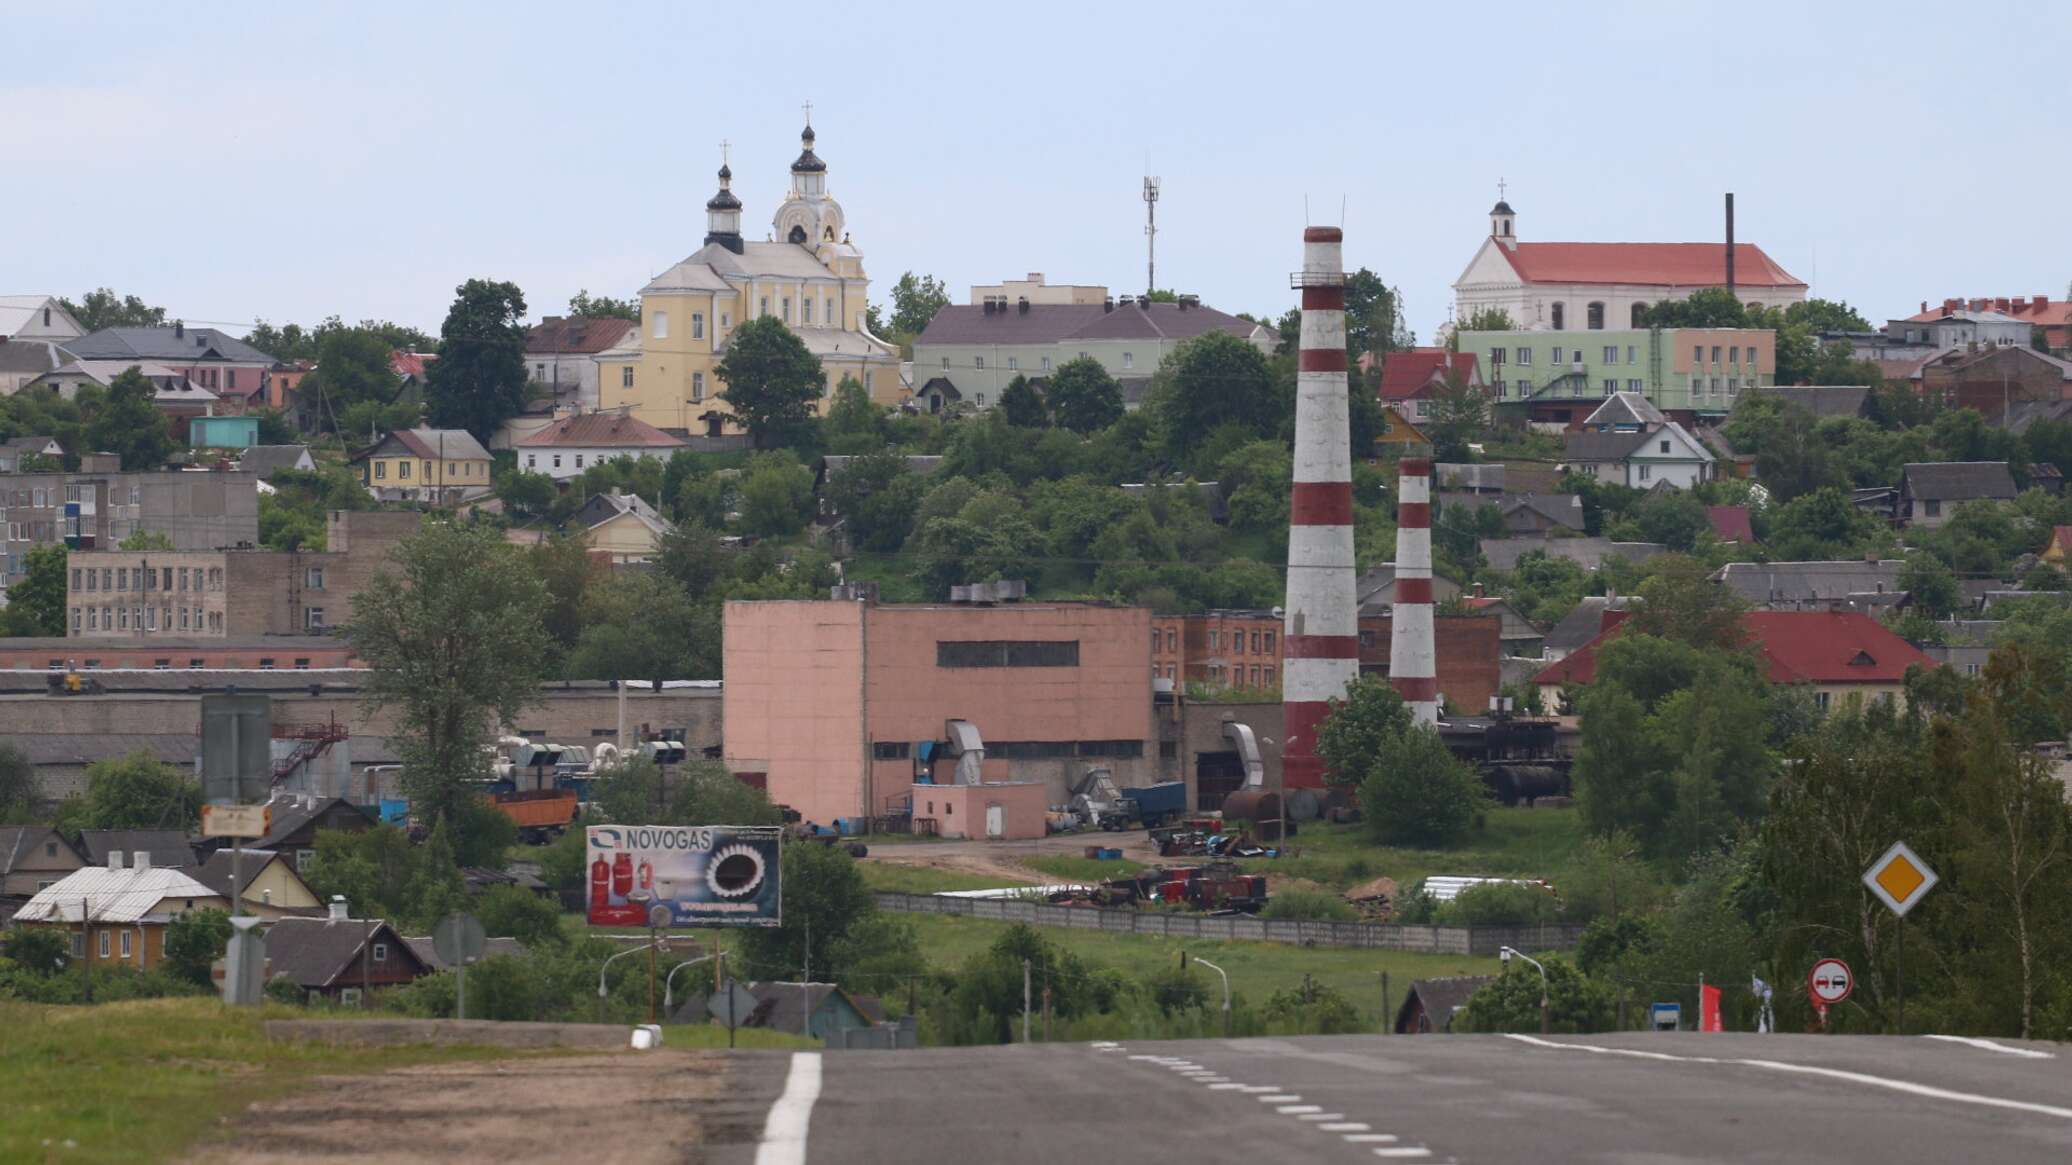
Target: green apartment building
{"x": 1559, "y": 377}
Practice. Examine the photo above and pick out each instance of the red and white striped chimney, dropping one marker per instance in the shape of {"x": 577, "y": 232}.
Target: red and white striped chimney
{"x": 1321, "y": 633}
{"x": 1413, "y": 661}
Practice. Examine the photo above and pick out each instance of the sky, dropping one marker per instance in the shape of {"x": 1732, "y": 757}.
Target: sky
{"x": 233, "y": 162}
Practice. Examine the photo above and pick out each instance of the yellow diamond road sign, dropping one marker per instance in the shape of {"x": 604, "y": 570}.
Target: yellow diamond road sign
{"x": 1900, "y": 878}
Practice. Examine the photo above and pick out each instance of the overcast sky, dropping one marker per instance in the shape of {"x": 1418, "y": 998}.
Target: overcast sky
{"x": 292, "y": 161}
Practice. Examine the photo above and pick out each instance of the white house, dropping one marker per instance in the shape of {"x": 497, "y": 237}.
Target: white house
{"x": 36, "y": 317}
{"x": 1643, "y": 459}
{"x": 564, "y": 449}
{"x": 1599, "y": 286}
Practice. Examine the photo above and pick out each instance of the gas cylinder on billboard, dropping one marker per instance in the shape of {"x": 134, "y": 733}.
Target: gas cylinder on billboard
{"x": 622, "y": 875}
{"x": 647, "y": 875}
{"x": 600, "y": 883}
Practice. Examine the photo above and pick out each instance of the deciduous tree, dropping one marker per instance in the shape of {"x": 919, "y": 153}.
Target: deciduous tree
{"x": 102, "y": 308}
{"x": 582, "y": 303}
{"x": 1082, "y": 396}
{"x": 1022, "y": 405}
{"x": 771, "y": 381}
{"x": 479, "y": 380}
{"x": 129, "y": 424}
{"x": 36, "y": 601}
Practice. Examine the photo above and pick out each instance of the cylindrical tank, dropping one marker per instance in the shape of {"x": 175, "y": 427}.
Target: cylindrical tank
{"x": 1261, "y": 808}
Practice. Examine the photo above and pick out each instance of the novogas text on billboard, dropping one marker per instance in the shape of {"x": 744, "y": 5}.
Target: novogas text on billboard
{"x": 707, "y": 875}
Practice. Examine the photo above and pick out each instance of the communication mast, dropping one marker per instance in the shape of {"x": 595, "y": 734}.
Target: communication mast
{"x": 1150, "y": 235}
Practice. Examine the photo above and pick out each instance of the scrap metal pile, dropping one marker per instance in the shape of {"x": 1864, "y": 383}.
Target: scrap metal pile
{"x": 1217, "y": 888}
{"x": 1206, "y": 839}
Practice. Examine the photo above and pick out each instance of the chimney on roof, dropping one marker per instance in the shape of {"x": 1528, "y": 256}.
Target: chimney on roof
{"x": 179, "y": 329}
{"x": 2000, "y": 303}
{"x": 141, "y": 860}
{"x": 1022, "y": 305}
{"x": 1950, "y": 305}
{"x": 550, "y": 319}
{"x": 1730, "y": 241}
{"x": 1108, "y": 304}
{"x": 338, "y": 911}
{"x": 114, "y": 859}
{"x": 1978, "y": 304}
{"x": 2039, "y": 302}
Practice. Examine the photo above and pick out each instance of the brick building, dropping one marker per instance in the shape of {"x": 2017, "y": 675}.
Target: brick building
{"x": 99, "y": 507}
{"x": 176, "y": 653}
{"x": 237, "y": 593}
{"x": 841, "y": 704}
{"x": 1470, "y": 649}
{"x": 1237, "y": 649}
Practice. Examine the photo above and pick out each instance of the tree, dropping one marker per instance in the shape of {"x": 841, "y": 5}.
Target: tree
{"x": 583, "y": 304}
{"x": 102, "y": 308}
{"x": 19, "y": 793}
{"x": 137, "y": 791}
{"x": 855, "y": 424}
{"x": 878, "y": 496}
{"x": 1460, "y": 414}
{"x": 776, "y": 495}
{"x": 36, "y": 602}
{"x": 194, "y": 941}
{"x": 824, "y": 897}
{"x": 1681, "y": 602}
{"x": 1486, "y": 319}
{"x": 129, "y": 424}
{"x": 691, "y": 553}
{"x": 352, "y": 376}
{"x": 1707, "y": 307}
{"x": 142, "y": 539}
{"x": 771, "y": 381}
{"x": 478, "y": 381}
{"x": 915, "y": 300}
{"x": 1373, "y": 316}
{"x": 1213, "y": 380}
{"x": 1577, "y": 1003}
{"x": 564, "y": 565}
{"x": 37, "y": 950}
{"x": 1931, "y": 589}
{"x": 645, "y": 627}
{"x": 525, "y": 494}
{"x": 515, "y": 912}
{"x": 1359, "y": 727}
{"x": 1416, "y": 792}
{"x": 1082, "y": 396}
{"x": 447, "y": 636}
{"x": 1022, "y": 405}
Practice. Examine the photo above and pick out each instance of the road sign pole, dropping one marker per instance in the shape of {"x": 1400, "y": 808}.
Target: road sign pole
{"x": 653, "y": 936}
{"x": 460, "y": 991}
{"x": 1900, "y": 959}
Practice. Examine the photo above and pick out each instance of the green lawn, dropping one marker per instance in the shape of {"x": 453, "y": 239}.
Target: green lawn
{"x": 1256, "y": 970}
{"x": 712, "y": 1035}
{"x": 141, "y": 1080}
{"x": 1512, "y": 842}
{"x": 1074, "y": 868}
{"x": 906, "y": 879}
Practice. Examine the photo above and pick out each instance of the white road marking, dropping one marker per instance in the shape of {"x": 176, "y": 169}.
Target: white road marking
{"x": 1280, "y": 1098}
{"x": 1142, "y": 1056}
{"x": 1226, "y": 1086}
{"x": 1212, "y": 1081}
{"x": 1404, "y": 1151}
{"x": 1346, "y": 1127}
{"x": 1321, "y": 1116}
{"x": 1990, "y": 1046}
{"x": 1906, "y": 1086}
{"x": 784, "y": 1132}
{"x": 1370, "y": 1138}
{"x": 1292, "y": 1109}
{"x": 1262, "y": 1088}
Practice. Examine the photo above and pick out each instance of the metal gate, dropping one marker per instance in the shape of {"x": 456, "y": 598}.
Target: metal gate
{"x": 1216, "y": 775}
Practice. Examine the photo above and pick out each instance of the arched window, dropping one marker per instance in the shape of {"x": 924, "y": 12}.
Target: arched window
{"x": 1560, "y": 322}
{"x": 1640, "y": 313}
{"x": 1594, "y": 316}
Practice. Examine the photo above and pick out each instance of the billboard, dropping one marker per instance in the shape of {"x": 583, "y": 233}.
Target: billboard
{"x": 236, "y": 748}
{"x": 704, "y": 875}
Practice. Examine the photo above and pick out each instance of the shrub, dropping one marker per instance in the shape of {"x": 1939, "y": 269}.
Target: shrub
{"x": 1308, "y": 904}
{"x": 1502, "y": 904}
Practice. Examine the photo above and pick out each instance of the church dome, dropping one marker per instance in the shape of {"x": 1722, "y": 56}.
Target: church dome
{"x": 809, "y": 162}
{"x": 1501, "y": 207}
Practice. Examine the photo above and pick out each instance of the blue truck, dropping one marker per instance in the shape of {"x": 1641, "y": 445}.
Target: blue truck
{"x": 1147, "y": 806}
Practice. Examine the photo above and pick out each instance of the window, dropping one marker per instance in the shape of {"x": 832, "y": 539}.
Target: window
{"x": 380, "y": 470}
{"x": 1715, "y": 353}
{"x": 266, "y": 663}
{"x": 787, "y": 309}
{"x": 979, "y": 400}
{"x": 1524, "y": 389}
{"x": 697, "y": 325}
{"x": 1560, "y": 322}
{"x": 1112, "y": 748}
{"x": 1646, "y": 471}
{"x": 579, "y": 461}
{"x": 1734, "y": 355}
{"x": 1269, "y": 643}
{"x": 723, "y": 321}
{"x": 1172, "y": 638}
{"x": 1046, "y": 364}
{"x": 1698, "y": 354}
{"x": 75, "y": 620}
{"x": 1931, "y": 508}
{"x": 302, "y": 859}
{"x": 1129, "y": 359}
{"x": 1632, "y": 354}
{"x": 122, "y": 618}
{"x": 765, "y": 306}
{"x": 183, "y": 618}
{"x": 93, "y": 618}
{"x": 196, "y": 664}
{"x": 75, "y": 578}
{"x": 121, "y": 578}
{"x": 1154, "y": 638}
{"x": 1013, "y": 363}
{"x": 946, "y": 364}
{"x": 1610, "y": 387}
{"x": 979, "y": 362}
{"x": 151, "y": 618}
{"x": 1820, "y": 700}
{"x": 125, "y": 944}
{"x": 661, "y": 325}
{"x": 381, "y": 952}
{"x": 1006, "y": 653}
{"x": 557, "y": 461}
{"x": 1255, "y": 677}
{"x": 1500, "y": 390}
{"x": 313, "y": 618}
{"x": 890, "y": 750}
{"x": 1524, "y": 357}
{"x": 697, "y": 387}
{"x": 104, "y": 944}
{"x": 806, "y": 310}
{"x": 1557, "y": 355}
{"x": 626, "y": 376}
{"x": 314, "y": 579}
{"x": 403, "y": 469}
{"x": 1269, "y": 676}
{"x": 1215, "y": 640}
{"x": 1662, "y": 447}
{"x": 539, "y": 372}
{"x": 1611, "y": 353}
{"x": 1594, "y": 315}
{"x": 92, "y": 579}
{"x": 1640, "y": 311}
{"x": 161, "y": 664}
{"x": 1633, "y": 386}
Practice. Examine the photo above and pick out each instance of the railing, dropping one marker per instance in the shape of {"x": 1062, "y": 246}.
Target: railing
{"x": 1440, "y": 940}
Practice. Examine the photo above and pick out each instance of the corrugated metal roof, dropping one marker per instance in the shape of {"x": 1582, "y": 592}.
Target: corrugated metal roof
{"x": 125, "y": 895}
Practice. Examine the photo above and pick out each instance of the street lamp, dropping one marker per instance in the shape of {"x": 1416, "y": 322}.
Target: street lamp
{"x": 669, "y": 982}
{"x": 1226, "y": 992}
{"x": 602, "y": 993}
{"x": 1546, "y": 1018}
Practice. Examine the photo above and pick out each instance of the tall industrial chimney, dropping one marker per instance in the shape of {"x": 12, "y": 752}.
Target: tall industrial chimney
{"x": 1321, "y": 635}
{"x": 1413, "y": 658}
{"x": 1730, "y": 241}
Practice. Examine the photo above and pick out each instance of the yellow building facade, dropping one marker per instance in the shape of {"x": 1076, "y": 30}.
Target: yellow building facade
{"x": 807, "y": 274}
{"x": 435, "y": 465}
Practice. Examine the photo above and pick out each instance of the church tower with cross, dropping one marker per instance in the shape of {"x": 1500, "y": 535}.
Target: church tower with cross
{"x": 806, "y": 275}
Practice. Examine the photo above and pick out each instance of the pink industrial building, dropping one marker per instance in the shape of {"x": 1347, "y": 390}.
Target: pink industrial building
{"x": 856, "y": 709}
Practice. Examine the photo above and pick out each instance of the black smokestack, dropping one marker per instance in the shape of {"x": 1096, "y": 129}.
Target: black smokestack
{"x": 1730, "y": 240}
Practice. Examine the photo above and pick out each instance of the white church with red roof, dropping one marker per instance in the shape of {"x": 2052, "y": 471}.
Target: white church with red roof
{"x": 1605, "y": 286}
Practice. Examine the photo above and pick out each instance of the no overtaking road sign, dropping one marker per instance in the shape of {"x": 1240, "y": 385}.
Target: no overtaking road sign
{"x": 1829, "y": 982}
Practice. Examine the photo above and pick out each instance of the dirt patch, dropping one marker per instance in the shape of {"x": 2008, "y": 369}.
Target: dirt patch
{"x": 1003, "y": 859}
{"x": 625, "y": 1108}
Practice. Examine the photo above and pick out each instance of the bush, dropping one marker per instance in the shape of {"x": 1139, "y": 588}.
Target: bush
{"x": 1312, "y": 1009}
{"x": 1308, "y": 904}
{"x": 194, "y": 941}
{"x": 1512, "y": 1002}
{"x": 37, "y": 950}
{"x": 1416, "y": 792}
{"x": 1175, "y": 990}
{"x": 282, "y": 989}
{"x": 1502, "y": 904}
{"x": 515, "y": 912}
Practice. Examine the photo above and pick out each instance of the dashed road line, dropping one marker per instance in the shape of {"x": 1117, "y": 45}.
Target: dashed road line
{"x": 1404, "y": 1151}
{"x": 1372, "y": 1138}
{"x": 1346, "y": 1127}
{"x": 1293, "y": 1109}
{"x": 1384, "y": 1145}
{"x": 1321, "y": 1116}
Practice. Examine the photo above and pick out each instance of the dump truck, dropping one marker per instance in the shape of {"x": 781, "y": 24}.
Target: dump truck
{"x": 541, "y": 816}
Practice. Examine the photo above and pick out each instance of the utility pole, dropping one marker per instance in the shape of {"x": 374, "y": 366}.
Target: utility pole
{"x": 1386, "y": 1025}
{"x": 1046, "y": 1007}
{"x": 805, "y": 985}
{"x": 1025, "y": 1001}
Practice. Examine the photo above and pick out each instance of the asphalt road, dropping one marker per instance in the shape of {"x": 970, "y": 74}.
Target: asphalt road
{"x": 1631, "y": 1099}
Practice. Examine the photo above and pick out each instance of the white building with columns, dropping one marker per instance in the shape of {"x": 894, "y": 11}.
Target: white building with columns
{"x": 1599, "y": 286}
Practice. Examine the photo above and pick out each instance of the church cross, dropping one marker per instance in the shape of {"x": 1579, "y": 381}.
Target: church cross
{"x": 809, "y": 113}
{"x": 1500, "y": 188}
{"x": 724, "y": 157}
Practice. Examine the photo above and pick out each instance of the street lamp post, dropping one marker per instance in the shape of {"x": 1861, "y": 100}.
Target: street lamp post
{"x": 1226, "y": 992}
{"x": 602, "y": 993}
{"x": 1546, "y": 1016}
{"x": 669, "y": 983}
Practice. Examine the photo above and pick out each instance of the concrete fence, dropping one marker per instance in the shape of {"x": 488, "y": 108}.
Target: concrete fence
{"x": 1438, "y": 940}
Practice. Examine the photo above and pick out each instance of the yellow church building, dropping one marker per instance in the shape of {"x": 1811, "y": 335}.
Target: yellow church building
{"x": 807, "y": 274}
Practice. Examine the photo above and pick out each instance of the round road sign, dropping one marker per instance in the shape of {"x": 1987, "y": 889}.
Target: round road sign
{"x": 1830, "y": 982}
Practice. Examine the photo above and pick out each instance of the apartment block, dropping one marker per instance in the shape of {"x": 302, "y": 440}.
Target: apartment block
{"x": 96, "y": 509}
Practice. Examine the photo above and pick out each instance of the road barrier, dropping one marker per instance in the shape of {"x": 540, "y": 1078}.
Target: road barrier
{"x": 1438, "y": 940}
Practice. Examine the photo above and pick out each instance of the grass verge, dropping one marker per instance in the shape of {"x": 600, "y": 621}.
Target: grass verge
{"x": 698, "y": 1036}
{"x": 1082, "y": 869}
{"x": 141, "y": 1080}
{"x": 1536, "y": 843}
{"x": 906, "y": 879}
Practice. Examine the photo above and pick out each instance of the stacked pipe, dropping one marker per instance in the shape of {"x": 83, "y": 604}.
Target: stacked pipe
{"x": 1413, "y": 662}
{"x": 1320, "y": 635}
